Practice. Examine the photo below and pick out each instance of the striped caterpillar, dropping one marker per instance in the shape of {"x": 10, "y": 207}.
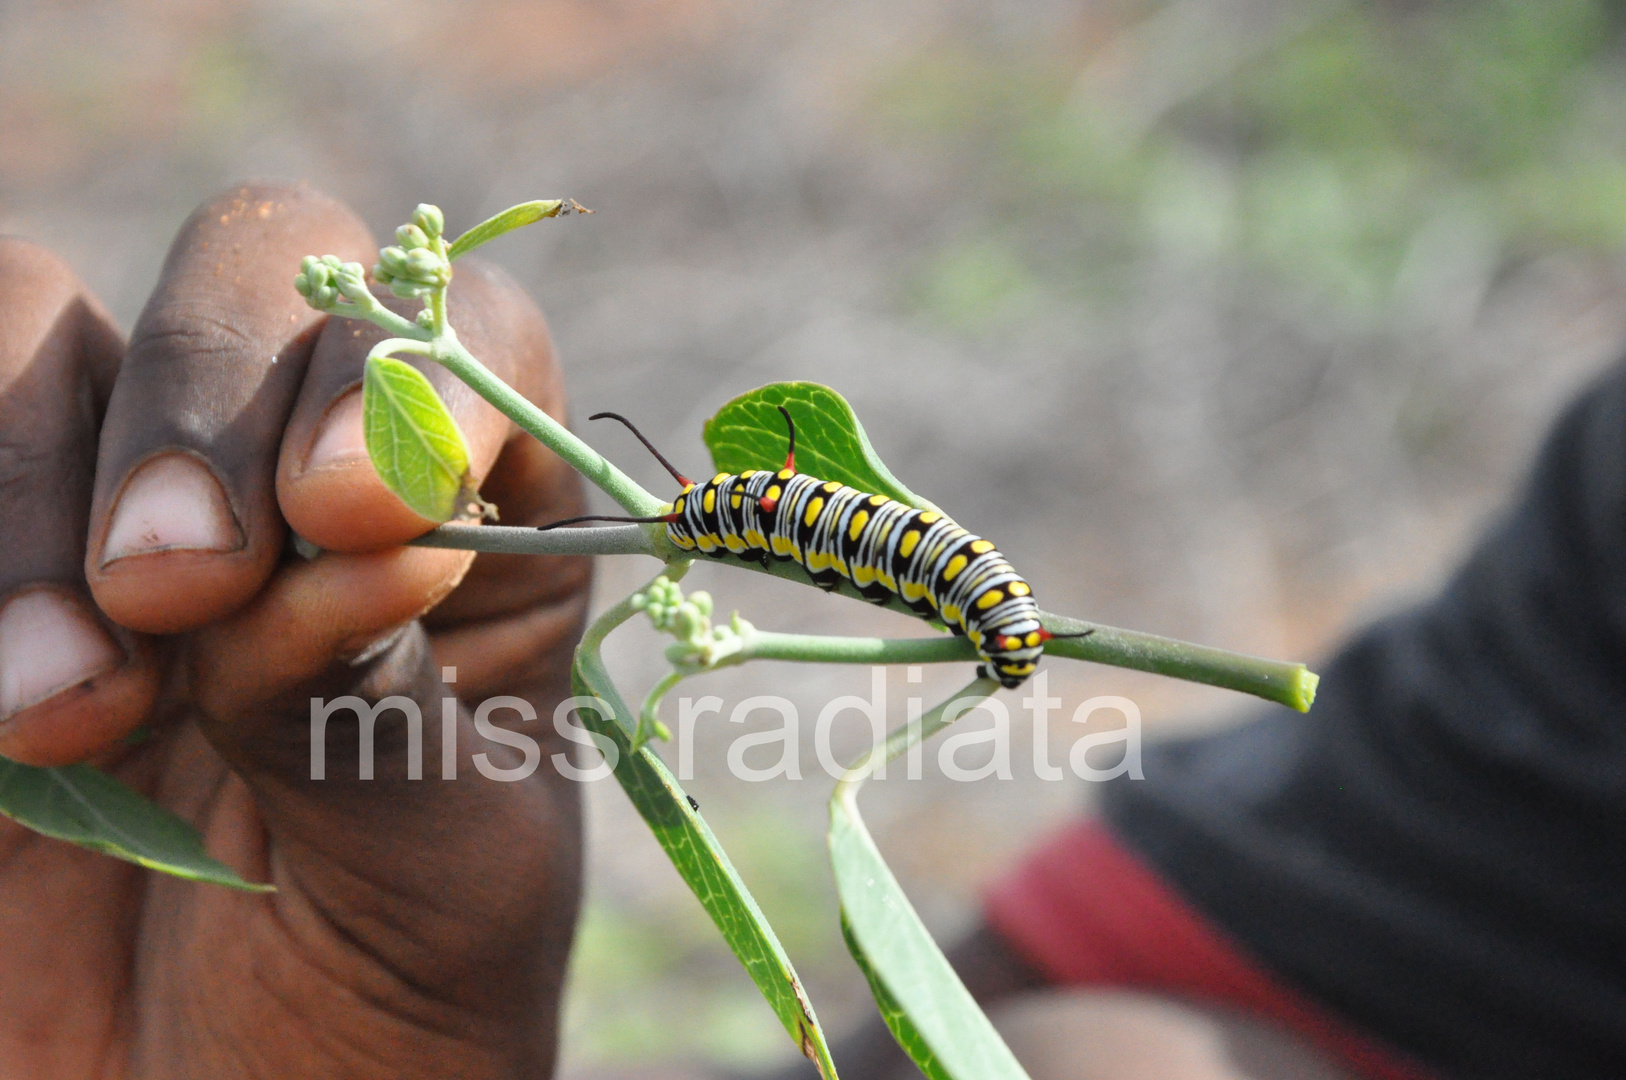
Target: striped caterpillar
{"x": 882, "y": 547}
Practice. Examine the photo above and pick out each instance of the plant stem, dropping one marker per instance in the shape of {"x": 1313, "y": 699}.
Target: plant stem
{"x": 513, "y": 540}
{"x": 900, "y": 739}
{"x": 554, "y": 435}
{"x": 588, "y": 651}
{"x": 1289, "y": 684}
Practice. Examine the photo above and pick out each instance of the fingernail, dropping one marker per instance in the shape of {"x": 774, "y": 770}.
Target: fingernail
{"x": 340, "y": 439}
{"x": 172, "y": 503}
{"x": 47, "y": 644}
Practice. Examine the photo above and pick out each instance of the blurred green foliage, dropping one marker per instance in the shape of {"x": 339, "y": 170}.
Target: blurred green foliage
{"x": 1345, "y": 153}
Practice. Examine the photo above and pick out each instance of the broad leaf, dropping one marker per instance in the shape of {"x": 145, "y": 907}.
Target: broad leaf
{"x": 750, "y": 433}
{"x": 929, "y": 1010}
{"x": 83, "y": 806}
{"x": 704, "y": 866}
{"x": 515, "y": 217}
{"x": 414, "y": 442}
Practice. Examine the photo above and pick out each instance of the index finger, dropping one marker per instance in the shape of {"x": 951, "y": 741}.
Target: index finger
{"x": 184, "y": 525}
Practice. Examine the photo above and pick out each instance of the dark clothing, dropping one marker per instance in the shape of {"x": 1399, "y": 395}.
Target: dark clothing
{"x": 1438, "y": 850}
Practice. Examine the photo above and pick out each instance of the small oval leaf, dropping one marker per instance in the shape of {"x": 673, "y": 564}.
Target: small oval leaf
{"x": 515, "y": 217}
{"x": 750, "y": 433}
{"x": 86, "y": 807}
{"x": 414, "y": 442}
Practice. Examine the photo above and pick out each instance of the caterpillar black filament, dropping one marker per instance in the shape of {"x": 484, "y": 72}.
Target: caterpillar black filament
{"x": 883, "y": 547}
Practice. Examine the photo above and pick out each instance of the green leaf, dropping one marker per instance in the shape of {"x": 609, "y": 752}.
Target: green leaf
{"x": 703, "y": 864}
{"x": 89, "y": 808}
{"x": 515, "y": 217}
{"x": 897, "y": 1021}
{"x": 929, "y": 1010}
{"x": 414, "y": 442}
{"x": 750, "y": 433}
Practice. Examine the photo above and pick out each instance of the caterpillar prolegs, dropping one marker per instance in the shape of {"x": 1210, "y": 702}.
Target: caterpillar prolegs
{"x": 883, "y": 547}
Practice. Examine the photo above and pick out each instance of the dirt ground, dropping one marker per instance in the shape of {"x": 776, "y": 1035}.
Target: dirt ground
{"x": 1171, "y": 416}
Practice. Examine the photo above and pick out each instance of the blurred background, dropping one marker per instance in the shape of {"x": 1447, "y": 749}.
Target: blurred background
{"x": 1230, "y": 319}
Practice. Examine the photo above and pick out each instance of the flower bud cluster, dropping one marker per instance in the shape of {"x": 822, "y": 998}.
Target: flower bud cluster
{"x": 327, "y": 282}
{"x": 416, "y": 264}
{"x": 688, "y": 620}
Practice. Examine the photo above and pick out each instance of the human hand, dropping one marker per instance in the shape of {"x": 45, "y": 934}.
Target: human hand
{"x": 420, "y": 927}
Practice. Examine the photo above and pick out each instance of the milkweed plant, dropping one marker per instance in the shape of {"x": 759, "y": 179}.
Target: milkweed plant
{"x": 843, "y": 523}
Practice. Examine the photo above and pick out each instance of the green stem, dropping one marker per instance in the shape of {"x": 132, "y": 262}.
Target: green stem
{"x": 589, "y": 652}
{"x": 382, "y": 317}
{"x": 554, "y": 435}
{"x": 811, "y": 649}
{"x": 514, "y": 540}
{"x": 1289, "y": 684}
{"x": 649, "y": 721}
{"x": 900, "y": 740}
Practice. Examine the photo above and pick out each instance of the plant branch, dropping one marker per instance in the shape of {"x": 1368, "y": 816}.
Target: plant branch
{"x": 513, "y": 540}
{"x": 1289, "y": 684}
{"x": 552, "y": 434}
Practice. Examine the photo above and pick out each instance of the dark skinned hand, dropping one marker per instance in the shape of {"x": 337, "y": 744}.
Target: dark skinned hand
{"x": 420, "y": 928}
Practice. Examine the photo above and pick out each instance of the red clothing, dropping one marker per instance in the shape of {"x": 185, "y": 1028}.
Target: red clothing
{"x": 1084, "y": 911}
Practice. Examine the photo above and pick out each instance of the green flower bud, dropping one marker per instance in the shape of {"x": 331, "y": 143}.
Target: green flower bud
{"x": 702, "y": 602}
{"x": 411, "y": 237}
{"x": 429, "y": 219}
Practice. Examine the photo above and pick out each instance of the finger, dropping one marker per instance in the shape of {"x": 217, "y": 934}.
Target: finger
{"x": 69, "y": 682}
{"x": 328, "y": 489}
{"x": 184, "y": 525}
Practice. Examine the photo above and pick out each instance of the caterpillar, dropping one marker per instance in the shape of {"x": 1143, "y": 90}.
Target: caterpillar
{"x": 882, "y": 547}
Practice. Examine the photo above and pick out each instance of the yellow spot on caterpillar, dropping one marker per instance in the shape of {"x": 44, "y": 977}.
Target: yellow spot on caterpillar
{"x": 814, "y": 507}
{"x": 735, "y": 501}
{"x": 682, "y": 541}
{"x": 782, "y": 546}
{"x": 1018, "y": 588}
{"x": 989, "y": 599}
{"x": 1011, "y": 644}
{"x": 952, "y": 570}
{"x": 734, "y": 543}
{"x": 887, "y": 579}
{"x": 756, "y": 539}
{"x": 719, "y": 478}
{"x": 786, "y": 474}
{"x": 817, "y": 560}
{"x": 774, "y": 493}
{"x": 1034, "y": 640}
{"x": 929, "y": 517}
{"x": 709, "y": 503}
{"x": 906, "y": 546}
{"x": 1017, "y": 669}
{"x": 982, "y": 547}
{"x": 863, "y": 575}
{"x": 930, "y": 599}
{"x": 856, "y": 528}
{"x": 747, "y": 474}
{"x": 706, "y": 544}
{"x": 832, "y": 487}
{"x": 677, "y": 507}
{"x": 913, "y": 590}
{"x": 877, "y": 500}
{"x": 952, "y": 613}
{"x": 975, "y": 637}
{"x": 839, "y": 566}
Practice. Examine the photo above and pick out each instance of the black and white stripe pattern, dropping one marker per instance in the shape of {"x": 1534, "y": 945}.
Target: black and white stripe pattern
{"x": 883, "y": 547}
